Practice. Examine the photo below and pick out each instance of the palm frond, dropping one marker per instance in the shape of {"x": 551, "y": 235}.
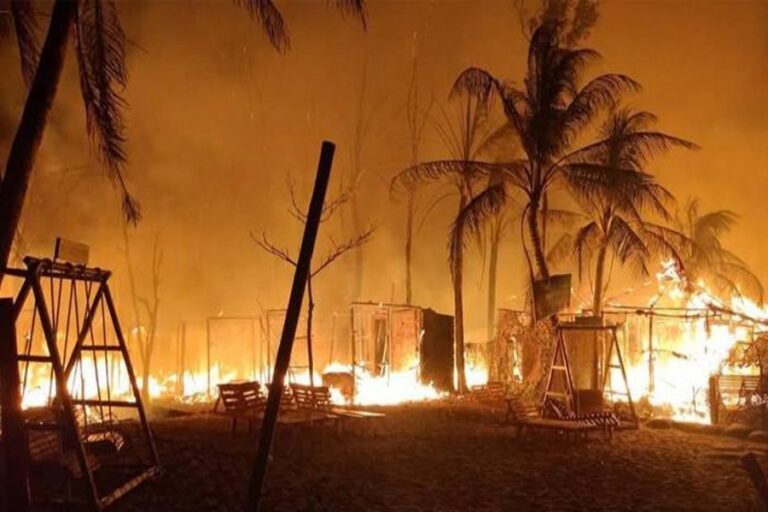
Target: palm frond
{"x": 476, "y": 82}
{"x": 628, "y": 245}
{"x": 743, "y": 279}
{"x": 714, "y": 224}
{"x": 265, "y": 13}
{"x": 561, "y": 250}
{"x": 665, "y": 242}
{"x": 600, "y": 93}
{"x": 445, "y": 169}
{"x": 100, "y": 47}
{"x": 502, "y": 142}
{"x": 561, "y": 217}
{"x": 584, "y": 243}
{"x": 25, "y": 25}
{"x": 471, "y": 219}
{"x": 354, "y": 8}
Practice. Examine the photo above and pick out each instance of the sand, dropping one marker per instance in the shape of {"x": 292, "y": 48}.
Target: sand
{"x": 437, "y": 458}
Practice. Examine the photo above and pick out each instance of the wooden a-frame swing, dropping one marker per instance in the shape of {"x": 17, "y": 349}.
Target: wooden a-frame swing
{"x": 563, "y": 389}
{"x": 97, "y": 445}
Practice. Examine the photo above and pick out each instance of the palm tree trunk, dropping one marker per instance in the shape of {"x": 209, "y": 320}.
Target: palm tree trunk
{"x": 493, "y": 261}
{"x": 597, "y": 303}
{"x": 26, "y": 142}
{"x": 458, "y": 304}
{"x": 409, "y": 248}
{"x": 536, "y": 240}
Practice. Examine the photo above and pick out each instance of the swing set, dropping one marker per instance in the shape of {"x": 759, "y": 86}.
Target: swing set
{"x": 607, "y": 360}
{"x": 82, "y": 407}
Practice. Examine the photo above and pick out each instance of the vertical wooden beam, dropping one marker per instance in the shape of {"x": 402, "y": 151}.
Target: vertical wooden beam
{"x": 283, "y": 358}
{"x": 208, "y": 356}
{"x": 354, "y": 352}
{"x": 183, "y": 355}
{"x": 651, "y": 377}
{"x": 131, "y": 374}
{"x": 15, "y": 441}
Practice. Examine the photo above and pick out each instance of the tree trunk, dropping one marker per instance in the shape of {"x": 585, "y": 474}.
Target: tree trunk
{"x": 409, "y": 248}
{"x": 29, "y": 134}
{"x": 536, "y": 240}
{"x": 597, "y": 303}
{"x": 310, "y": 311}
{"x": 493, "y": 262}
{"x": 458, "y": 303}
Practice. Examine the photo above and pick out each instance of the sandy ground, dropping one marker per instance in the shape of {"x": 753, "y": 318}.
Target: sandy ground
{"x": 434, "y": 458}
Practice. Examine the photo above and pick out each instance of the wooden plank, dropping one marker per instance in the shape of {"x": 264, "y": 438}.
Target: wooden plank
{"x": 31, "y": 358}
{"x": 129, "y": 486}
{"x": 131, "y": 375}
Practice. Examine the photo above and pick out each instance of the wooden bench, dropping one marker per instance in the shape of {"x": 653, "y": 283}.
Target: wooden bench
{"x": 526, "y": 416}
{"x": 743, "y": 387}
{"x": 241, "y": 400}
{"x": 492, "y": 393}
{"x": 319, "y": 399}
{"x": 604, "y": 420}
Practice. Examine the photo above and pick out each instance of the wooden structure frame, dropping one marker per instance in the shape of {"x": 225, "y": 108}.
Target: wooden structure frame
{"x": 561, "y": 363}
{"x": 63, "y": 402}
{"x": 257, "y": 346}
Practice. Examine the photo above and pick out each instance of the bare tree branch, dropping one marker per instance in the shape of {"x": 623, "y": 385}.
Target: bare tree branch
{"x": 338, "y": 249}
{"x": 272, "y": 249}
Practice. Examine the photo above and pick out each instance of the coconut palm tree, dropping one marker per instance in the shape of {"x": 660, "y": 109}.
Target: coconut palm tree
{"x": 465, "y": 138}
{"x": 100, "y": 50}
{"x": 548, "y": 113}
{"x": 707, "y": 259}
{"x": 619, "y": 207}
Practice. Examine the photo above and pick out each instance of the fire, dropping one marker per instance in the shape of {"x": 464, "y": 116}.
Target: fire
{"x": 682, "y": 365}
{"x": 388, "y": 389}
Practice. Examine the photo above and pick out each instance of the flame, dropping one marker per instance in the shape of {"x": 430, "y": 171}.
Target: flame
{"x": 683, "y": 364}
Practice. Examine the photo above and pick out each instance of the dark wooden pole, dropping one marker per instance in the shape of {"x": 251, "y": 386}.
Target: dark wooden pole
{"x": 208, "y": 356}
{"x": 14, "y": 434}
{"x": 283, "y": 358}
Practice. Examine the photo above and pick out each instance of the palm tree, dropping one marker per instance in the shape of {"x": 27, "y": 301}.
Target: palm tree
{"x": 465, "y": 140}
{"x": 548, "y": 113}
{"x": 707, "y": 259}
{"x": 619, "y": 206}
{"x": 100, "y": 50}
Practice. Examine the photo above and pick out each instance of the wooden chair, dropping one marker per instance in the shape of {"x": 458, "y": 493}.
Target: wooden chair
{"x": 318, "y": 399}
{"x": 492, "y": 393}
{"x": 241, "y": 400}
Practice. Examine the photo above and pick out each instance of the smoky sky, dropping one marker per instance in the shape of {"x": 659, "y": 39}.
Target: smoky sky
{"x": 217, "y": 122}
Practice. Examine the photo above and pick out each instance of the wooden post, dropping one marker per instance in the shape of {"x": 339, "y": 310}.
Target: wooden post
{"x": 14, "y": 433}
{"x": 651, "y": 378}
{"x": 183, "y": 355}
{"x": 283, "y": 357}
{"x": 354, "y": 353}
{"x": 208, "y": 356}
{"x": 714, "y": 400}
